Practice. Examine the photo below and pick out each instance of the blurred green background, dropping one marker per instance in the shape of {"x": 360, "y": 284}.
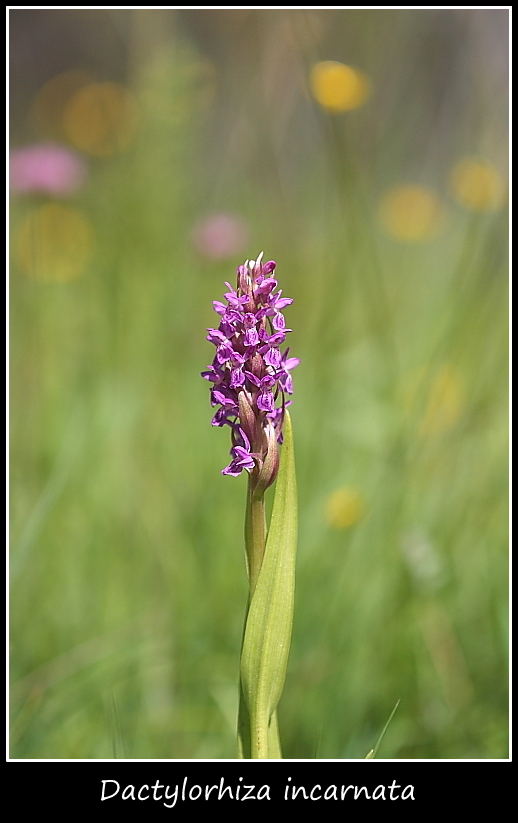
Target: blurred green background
{"x": 152, "y": 152}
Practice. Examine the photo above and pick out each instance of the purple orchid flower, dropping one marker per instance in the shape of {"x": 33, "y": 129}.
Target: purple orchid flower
{"x": 242, "y": 458}
{"x": 249, "y": 376}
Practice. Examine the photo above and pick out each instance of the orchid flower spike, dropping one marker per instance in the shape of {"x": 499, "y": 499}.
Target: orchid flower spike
{"x": 249, "y": 375}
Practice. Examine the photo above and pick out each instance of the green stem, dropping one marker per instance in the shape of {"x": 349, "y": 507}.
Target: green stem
{"x": 255, "y": 533}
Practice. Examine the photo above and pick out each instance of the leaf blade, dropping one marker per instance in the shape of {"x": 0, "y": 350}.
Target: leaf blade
{"x": 267, "y": 634}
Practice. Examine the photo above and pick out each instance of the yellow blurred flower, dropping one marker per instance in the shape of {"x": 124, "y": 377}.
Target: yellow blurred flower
{"x": 444, "y": 402}
{"x": 477, "y": 184}
{"x": 344, "y": 507}
{"x": 338, "y": 87}
{"x": 53, "y": 243}
{"x": 410, "y": 213}
{"x": 48, "y": 106}
{"x": 101, "y": 119}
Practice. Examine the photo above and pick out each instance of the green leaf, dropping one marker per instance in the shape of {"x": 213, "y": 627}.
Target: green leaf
{"x": 267, "y": 636}
{"x": 373, "y": 752}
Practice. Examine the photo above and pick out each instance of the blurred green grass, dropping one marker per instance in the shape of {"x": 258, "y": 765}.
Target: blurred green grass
{"x": 128, "y": 581}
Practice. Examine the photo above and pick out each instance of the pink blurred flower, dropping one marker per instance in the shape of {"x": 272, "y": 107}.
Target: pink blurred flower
{"x": 45, "y": 168}
{"x": 219, "y": 236}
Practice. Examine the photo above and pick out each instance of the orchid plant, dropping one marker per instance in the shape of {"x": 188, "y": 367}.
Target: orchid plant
{"x": 250, "y": 383}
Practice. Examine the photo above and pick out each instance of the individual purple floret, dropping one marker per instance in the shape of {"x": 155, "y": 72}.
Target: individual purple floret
{"x": 249, "y": 374}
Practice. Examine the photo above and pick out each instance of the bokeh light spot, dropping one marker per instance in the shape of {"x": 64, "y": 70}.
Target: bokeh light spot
{"x": 410, "y": 213}
{"x": 338, "y": 87}
{"x": 53, "y": 243}
{"x": 102, "y": 119}
{"x": 47, "y": 169}
{"x": 477, "y": 185}
{"x": 219, "y": 236}
{"x": 444, "y": 403}
{"x": 344, "y": 507}
{"x": 48, "y": 106}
